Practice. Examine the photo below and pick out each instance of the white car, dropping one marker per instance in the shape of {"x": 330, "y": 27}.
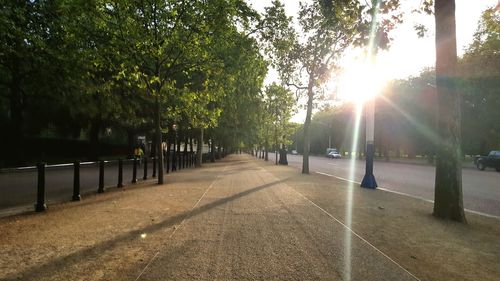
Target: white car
{"x": 294, "y": 152}
{"x": 334, "y": 154}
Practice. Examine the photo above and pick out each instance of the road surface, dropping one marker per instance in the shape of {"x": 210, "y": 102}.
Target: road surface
{"x": 18, "y": 189}
{"x": 481, "y": 189}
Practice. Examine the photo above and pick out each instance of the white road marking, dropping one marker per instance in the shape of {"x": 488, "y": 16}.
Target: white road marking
{"x": 409, "y": 195}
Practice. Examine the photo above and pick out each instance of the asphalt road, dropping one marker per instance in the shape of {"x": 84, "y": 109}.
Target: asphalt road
{"x": 18, "y": 189}
{"x": 481, "y": 189}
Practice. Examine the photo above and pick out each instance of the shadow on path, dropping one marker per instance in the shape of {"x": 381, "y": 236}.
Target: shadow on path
{"x": 60, "y": 263}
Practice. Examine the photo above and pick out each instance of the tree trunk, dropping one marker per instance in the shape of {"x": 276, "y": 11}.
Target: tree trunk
{"x": 178, "y": 154}
{"x": 283, "y": 158}
{"x": 448, "y": 201}
{"x": 16, "y": 105}
{"x": 130, "y": 143}
{"x": 307, "y": 123}
{"x": 185, "y": 152}
{"x": 212, "y": 150}
{"x": 95, "y": 127}
{"x": 266, "y": 157}
{"x": 159, "y": 142}
{"x": 169, "y": 144}
{"x": 199, "y": 149}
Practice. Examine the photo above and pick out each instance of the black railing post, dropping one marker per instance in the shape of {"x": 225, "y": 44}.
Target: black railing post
{"x": 101, "y": 177}
{"x": 134, "y": 171}
{"x": 76, "y": 181}
{"x": 120, "y": 173}
{"x": 40, "y": 205}
{"x": 145, "y": 177}
{"x": 154, "y": 167}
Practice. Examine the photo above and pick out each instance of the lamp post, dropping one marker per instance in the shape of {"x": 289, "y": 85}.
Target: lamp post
{"x": 369, "y": 179}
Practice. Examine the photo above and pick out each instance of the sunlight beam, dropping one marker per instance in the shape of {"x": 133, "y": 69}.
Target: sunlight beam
{"x": 349, "y": 202}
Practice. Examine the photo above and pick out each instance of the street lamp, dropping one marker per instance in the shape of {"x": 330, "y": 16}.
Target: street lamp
{"x": 369, "y": 179}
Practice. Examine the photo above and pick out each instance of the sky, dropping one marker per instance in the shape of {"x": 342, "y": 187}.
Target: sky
{"x": 408, "y": 54}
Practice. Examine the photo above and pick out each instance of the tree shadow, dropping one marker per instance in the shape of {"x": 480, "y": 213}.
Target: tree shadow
{"x": 58, "y": 264}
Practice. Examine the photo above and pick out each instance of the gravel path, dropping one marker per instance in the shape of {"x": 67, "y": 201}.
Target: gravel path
{"x": 256, "y": 227}
{"x": 245, "y": 219}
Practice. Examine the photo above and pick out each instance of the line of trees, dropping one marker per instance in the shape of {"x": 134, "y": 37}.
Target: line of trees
{"x": 89, "y": 69}
{"x": 406, "y": 110}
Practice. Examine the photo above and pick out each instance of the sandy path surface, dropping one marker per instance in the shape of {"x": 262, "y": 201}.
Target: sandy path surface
{"x": 246, "y": 219}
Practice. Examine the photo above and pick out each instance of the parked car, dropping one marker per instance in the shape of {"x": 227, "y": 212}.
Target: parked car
{"x": 294, "y": 152}
{"x": 328, "y": 150}
{"x": 334, "y": 154}
{"x": 490, "y": 161}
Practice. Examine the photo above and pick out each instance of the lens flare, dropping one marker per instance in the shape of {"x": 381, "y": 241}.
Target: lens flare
{"x": 360, "y": 82}
{"x": 349, "y": 199}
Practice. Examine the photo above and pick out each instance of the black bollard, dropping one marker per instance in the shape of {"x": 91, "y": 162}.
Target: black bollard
{"x": 40, "y": 205}
{"x": 134, "y": 171}
{"x": 101, "y": 177}
{"x": 76, "y": 181}
{"x": 154, "y": 167}
{"x": 145, "y": 177}
{"x": 120, "y": 173}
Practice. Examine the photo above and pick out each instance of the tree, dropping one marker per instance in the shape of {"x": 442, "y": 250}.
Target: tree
{"x": 448, "y": 198}
{"x": 279, "y": 104}
{"x": 479, "y": 74}
{"x": 305, "y": 62}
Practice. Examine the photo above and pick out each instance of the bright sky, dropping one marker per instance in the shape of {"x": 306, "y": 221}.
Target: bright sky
{"x": 408, "y": 54}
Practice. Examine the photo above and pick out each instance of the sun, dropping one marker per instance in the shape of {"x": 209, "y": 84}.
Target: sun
{"x": 360, "y": 82}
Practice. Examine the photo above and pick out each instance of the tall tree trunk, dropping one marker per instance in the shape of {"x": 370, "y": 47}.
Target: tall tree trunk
{"x": 178, "y": 152}
{"x": 448, "y": 201}
{"x": 95, "y": 127}
{"x": 266, "y": 156}
{"x": 16, "y": 105}
{"x": 184, "y": 154}
{"x": 307, "y": 123}
{"x": 169, "y": 145}
{"x": 159, "y": 141}
{"x": 199, "y": 149}
{"x": 130, "y": 143}
{"x": 212, "y": 150}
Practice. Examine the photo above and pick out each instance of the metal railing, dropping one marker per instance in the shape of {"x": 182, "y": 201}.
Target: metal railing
{"x": 57, "y": 178}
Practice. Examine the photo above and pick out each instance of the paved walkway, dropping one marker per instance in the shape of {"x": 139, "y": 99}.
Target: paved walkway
{"x": 239, "y": 219}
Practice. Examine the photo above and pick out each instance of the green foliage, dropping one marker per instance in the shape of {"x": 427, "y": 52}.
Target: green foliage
{"x": 480, "y": 84}
{"x": 82, "y": 66}
{"x": 277, "y": 108}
